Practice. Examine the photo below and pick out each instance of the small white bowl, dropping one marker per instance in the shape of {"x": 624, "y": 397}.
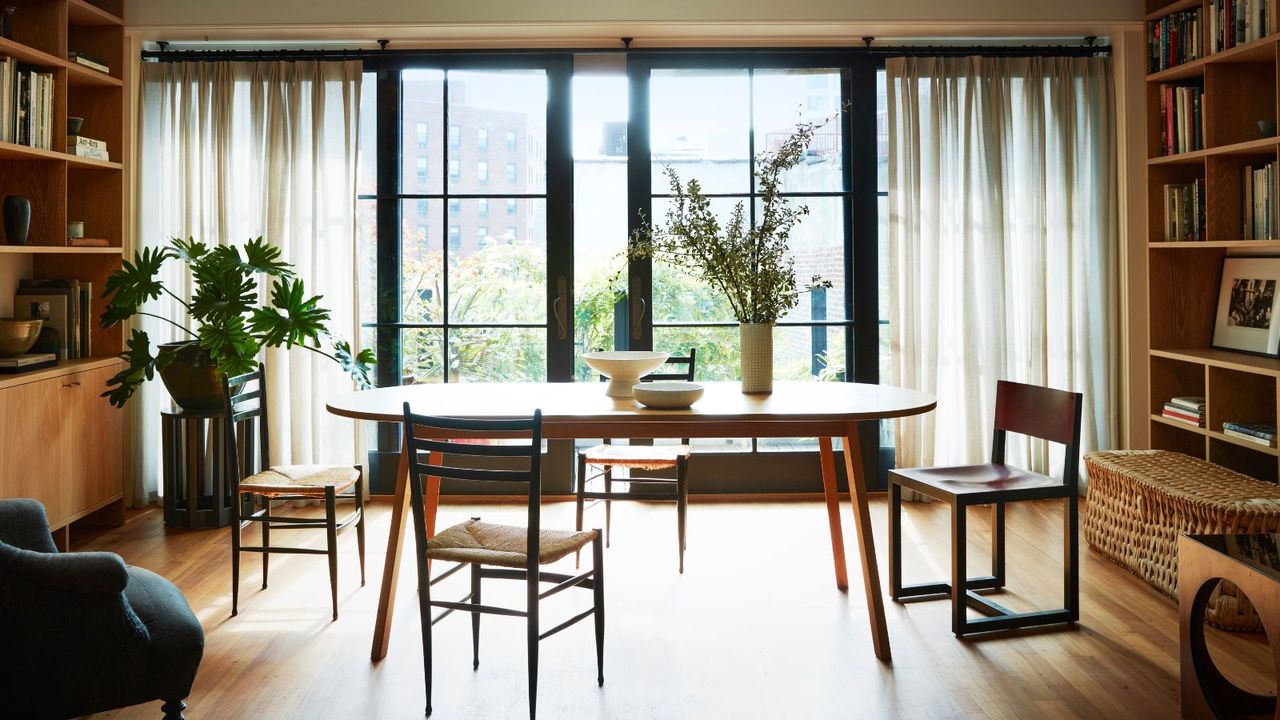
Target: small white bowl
{"x": 668, "y": 395}
{"x": 624, "y": 368}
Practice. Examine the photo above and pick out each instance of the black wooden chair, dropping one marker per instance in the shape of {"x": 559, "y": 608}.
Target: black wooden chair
{"x": 244, "y": 406}
{"x": 494, "y": 551}
{"x": 607, "y": 456}
{"x": 1052, "y": 415}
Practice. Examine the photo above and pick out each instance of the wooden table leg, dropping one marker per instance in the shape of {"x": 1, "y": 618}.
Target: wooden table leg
{"x": 833, "y": 510}
{"x": 866, "y": 541}
{"x": 391, "y": 568}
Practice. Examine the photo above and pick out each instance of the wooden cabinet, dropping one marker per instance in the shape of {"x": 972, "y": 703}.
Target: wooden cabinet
{"x": 60, "y": 441}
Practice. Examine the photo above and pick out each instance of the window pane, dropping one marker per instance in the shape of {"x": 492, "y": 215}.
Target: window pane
{"x": 699, "y": 124}
{"x": 367, "y": 258}
{"x": 808, "y": 353}
{"x": 421, "y": 355}
{"x": 493, "y": 280}
{"x": 718, "y": 357}
{"x": 498, "y": 355}
{"x": 786, "y": 97}
{"x": 367, "y": 167}
{"x": 421, "y": 262}
{"x": 423, "y": 109}
{"x": 508, "y": 101}
{"x": 600, "y": 105}
{"x": 681, "y": 297}
{"x": 817, "y": 245}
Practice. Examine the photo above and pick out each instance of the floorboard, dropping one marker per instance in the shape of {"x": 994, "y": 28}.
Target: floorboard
{"x": 754, "y": 628}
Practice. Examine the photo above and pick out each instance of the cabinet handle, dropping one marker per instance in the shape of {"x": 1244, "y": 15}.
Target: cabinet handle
{"x": 72, "y": 384}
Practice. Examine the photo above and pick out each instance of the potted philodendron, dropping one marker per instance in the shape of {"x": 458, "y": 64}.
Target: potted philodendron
{"x": 747, "y": 262}
{"x": 232, "y": 325}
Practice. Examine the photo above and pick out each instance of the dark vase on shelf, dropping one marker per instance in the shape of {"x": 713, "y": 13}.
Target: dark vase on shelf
{"x": 17, "y": 219}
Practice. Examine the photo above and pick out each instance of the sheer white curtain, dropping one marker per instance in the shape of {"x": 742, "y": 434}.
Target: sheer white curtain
{"x": 232, "y": 151}
{"x": 1003, "y": 234}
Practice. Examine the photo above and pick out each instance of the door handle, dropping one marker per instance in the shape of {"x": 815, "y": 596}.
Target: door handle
{"x": 638, "y": 308}
{"x": 558, "y": 308}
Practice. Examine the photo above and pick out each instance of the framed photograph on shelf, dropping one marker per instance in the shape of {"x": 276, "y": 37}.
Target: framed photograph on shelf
{"x": 1248, "y": 319}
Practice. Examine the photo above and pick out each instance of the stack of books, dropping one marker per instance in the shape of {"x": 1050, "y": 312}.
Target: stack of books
{"x": 1235, "y": 22}
{"x": 1187, "y": 409}
{"x": 1181, "y": 118}
{"x": 1258, "y": 202}
{"x": 26, "y": 105}
{"x": 1260, "y": 433}
{"x": 89, "y": 61}
{"x": 65, "y": 306}
{"x": 1184, "y": 215}
{"x": 87, "y": 147}
{"x": 1175, "y": 39}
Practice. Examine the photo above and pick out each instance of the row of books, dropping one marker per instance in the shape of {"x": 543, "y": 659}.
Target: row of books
{"x": 1181, "y": 118}
{"x": 1175, "y": 39}
{"x": 65, "y": 307}
{"x": 1260, "y": 433}
{"x": 26, "y": 105}
{"x": 1258, "y": 210}
{"x": 1186, "y": 409}
{"x": 1184, "y": 213}
{"x": 1235, "y": 22}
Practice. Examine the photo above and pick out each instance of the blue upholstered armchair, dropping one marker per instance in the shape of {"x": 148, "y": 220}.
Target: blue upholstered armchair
{"x": 83, "y": 632}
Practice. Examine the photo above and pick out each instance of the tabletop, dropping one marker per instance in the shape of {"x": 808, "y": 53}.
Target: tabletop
{"x": 586, "y": 402}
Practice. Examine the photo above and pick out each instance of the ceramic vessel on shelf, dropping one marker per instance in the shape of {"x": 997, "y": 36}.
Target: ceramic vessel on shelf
{"x": 624, "y": 368}
{"x": 17, "y": 335}
{"x": 667, "y": 395}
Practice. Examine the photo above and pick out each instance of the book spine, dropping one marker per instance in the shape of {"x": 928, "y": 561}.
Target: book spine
{"x": 1248, "y": 438}
{"x": 1199, "y": 407}
{"x": 1184, "y": 419}
{"x": 1247, "y": 430}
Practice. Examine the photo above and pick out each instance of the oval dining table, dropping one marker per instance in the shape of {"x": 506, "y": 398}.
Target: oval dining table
{"x": 582, "y": 410}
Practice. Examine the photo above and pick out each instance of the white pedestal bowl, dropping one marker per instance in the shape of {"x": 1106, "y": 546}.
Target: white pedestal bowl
{"x": 624, "y": 368}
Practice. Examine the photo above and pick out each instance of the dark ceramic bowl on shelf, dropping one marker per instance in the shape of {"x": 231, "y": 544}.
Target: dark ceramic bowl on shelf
{"x": 73, "y": 125}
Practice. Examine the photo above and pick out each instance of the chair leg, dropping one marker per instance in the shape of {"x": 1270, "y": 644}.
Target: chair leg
{"x": 997, "y": 543}
{"x": 173, "y": 709}
{"x": 531, "y": 583}
{"x": 608, "y": 505}
{"x": 266, "y": 538}
{"x": 580, "y": 483}
{"x": 895, "y": 540}
{"x": 331, "y": 531}
{"x": 1071, "y": 561}
{"x": 475, "y": 616}
{"x": 360, "y": 523}
{"x": 424, "y": 616}
{"x": 235, "y": 555}
{"x": 959, "y": 574}
{"x": 682, "y": 503}
{"x": 597, "y": 551}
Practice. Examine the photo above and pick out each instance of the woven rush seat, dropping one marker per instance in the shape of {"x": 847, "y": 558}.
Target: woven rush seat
{"x": 1140, "y": 501}
{"x": 474, "y": 541}
{"x": 305, "y": 480}
{"x": 641, "y": 457}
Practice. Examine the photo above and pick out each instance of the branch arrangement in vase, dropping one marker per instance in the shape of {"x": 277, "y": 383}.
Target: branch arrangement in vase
{"x": 749, "y": 264}
{"x": 231, "y": 325}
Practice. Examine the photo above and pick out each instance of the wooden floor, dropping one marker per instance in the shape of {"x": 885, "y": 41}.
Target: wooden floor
{"x": 754, "y": 628}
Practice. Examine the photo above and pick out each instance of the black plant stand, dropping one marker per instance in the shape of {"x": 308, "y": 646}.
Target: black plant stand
{"x": 197, "y": 493}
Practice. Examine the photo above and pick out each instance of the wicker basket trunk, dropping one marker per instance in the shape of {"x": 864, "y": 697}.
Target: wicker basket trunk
{"x": 1140, "y": 501}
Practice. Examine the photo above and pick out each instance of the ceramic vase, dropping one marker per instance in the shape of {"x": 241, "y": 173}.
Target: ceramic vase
{"x": 756, "y": 350}
{"x": 17, "y": 219}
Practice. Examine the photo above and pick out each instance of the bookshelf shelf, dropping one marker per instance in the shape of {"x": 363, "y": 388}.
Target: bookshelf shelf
{"x": 1256, "y": 51}
{"x": 1261, "y": 146}
{"x": 57, "y": 250}
{"x": 79, "y": 75}
{"x": 81, "y": 12}
{"x": 30, "y": 55}
{"x": 90, "y": 163}
{"x": 1240, "y": 362}
{"x": 64, "y": 367}
{"x": 1182, "y": 426}
{"x": 1260, "y": 246}
{"x": 1256, "y": 447}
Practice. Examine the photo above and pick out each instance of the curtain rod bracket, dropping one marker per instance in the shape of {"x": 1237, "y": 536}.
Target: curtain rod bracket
{"x": 1090, "y": 40}
{"x": 626, "y": 42}
{"x": 163, "y": 45}
{"x": 383, "y": 43}
{"x": 866, "y": 39}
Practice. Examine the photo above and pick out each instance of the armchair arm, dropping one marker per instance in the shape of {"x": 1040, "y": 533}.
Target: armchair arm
{"x": 23, "y": 524}
{"x": 87, "y": 573}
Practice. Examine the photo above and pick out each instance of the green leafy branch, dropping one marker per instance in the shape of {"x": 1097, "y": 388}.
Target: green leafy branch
{"x": 232, "y": 327}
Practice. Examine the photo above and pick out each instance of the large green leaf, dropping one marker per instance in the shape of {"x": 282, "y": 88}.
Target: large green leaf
{"x": 230, "y": 345}
{"x": 141, "y": 367}
{"x": 224, "y": 288}
{"x": 133, "y": 284}
{"x": 292, "y": 318}
{"x": 360, "y": 366}
{"x": 189, "y": 250}
{"x": 264, "y": 258}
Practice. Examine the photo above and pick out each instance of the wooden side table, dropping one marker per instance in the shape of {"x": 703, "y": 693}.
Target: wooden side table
{"x": 197, "y": 493}
{"x": 1252, "y": 562}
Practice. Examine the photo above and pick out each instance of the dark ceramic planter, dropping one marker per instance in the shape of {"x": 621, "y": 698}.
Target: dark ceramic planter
{"x": 192, "y": 378}
{"x": 17, "y": 219}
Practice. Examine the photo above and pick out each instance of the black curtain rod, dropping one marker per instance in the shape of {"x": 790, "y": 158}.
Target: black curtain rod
{"x": 880, "y": 51}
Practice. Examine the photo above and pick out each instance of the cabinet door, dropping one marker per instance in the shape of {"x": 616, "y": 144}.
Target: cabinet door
{"x": 92, "y": 464}
{"x": 32, "y": 449}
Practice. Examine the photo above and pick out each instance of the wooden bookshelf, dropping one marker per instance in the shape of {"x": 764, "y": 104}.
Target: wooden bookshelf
{"x": 1240, "y": 88}
{"x": 73, "y": 479}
